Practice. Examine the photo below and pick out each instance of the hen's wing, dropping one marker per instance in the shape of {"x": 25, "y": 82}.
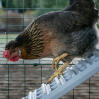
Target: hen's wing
{"x": 62, "y": 23}
{"x": 66, "y": 24}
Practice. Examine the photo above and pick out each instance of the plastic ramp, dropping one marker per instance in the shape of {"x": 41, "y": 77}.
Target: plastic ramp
{"x": 72, "y": 77}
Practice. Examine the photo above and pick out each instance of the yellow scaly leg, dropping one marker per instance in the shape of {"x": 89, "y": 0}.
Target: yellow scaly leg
{"x": 56, "y": 61}
{"x": 58, "y": 72}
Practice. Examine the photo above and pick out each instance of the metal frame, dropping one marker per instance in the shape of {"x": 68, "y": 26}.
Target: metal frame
{"x": 10, "y": 66}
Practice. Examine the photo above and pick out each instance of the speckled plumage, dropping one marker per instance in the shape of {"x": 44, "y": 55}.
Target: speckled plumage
{"x": 31, "y": 42}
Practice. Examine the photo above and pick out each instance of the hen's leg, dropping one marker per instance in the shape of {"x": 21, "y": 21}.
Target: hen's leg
{"x": 58, "y": 72}
{"x": 56, "y": 61}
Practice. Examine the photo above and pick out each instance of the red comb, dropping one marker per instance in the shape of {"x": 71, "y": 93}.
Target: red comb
{"x": 6, "y": 54}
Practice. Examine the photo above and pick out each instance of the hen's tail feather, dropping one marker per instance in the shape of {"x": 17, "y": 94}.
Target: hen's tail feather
{"x": 78, "y": 4}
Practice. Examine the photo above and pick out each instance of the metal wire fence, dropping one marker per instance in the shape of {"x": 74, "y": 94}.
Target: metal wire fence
{"x": 17, "y": 79}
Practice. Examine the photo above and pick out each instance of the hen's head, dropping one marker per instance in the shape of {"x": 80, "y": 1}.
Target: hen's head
{"x": 11, "y": 51}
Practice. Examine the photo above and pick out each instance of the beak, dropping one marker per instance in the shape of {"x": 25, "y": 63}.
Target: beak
{"x": 7, "y": 60}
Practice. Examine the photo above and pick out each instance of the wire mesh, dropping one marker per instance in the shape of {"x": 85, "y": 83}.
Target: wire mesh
{"x": 17, "y": 79}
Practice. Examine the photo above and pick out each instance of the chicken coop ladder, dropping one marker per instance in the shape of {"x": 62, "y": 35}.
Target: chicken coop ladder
{"x": 73, "y": 76}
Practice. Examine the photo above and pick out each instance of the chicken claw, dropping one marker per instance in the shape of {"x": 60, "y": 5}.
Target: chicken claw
{"x": 58, "y": 72}
{"x": 56, "y": 61}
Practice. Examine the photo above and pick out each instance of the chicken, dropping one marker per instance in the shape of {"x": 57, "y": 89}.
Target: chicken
{"x": 62, "y": 35}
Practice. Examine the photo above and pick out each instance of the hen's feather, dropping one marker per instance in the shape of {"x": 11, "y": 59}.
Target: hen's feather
{"x": 70, "y": 30}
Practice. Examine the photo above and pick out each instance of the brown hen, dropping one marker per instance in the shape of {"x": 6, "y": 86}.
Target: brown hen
{"x": 63, "y": 34}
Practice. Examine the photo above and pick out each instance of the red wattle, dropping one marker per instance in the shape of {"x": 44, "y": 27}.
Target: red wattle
{"x": 14, "y": 59}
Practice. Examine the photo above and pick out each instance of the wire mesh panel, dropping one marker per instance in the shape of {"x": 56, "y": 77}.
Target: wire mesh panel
{"x": 17, "y": 79}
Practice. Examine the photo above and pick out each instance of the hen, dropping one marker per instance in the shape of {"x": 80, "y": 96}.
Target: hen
{"x": 62, "y": 35}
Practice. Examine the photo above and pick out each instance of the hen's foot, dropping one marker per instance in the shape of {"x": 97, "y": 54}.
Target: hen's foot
{"x": 58, "y": 72}
{"x": 56, "y": 61}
